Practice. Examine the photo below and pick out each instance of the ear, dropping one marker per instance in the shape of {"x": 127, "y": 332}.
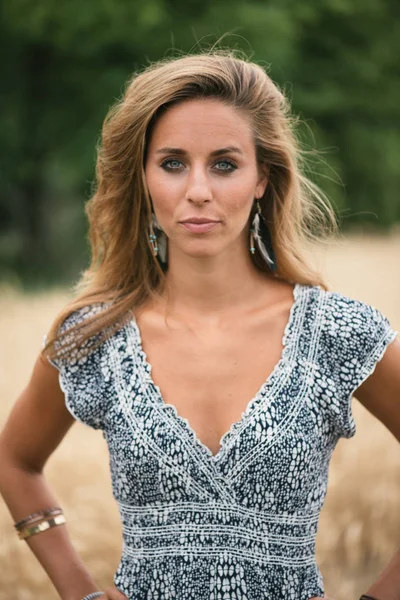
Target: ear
{"x": 263, "y": 176}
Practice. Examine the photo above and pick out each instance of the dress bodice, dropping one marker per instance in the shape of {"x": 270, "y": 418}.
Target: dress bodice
{"x": 240, "y": 524}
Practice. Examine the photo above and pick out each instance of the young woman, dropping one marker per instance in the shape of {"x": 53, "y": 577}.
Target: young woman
{"x": 212, "y": 355}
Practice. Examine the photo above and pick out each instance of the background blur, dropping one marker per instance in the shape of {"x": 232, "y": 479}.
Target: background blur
{"x": 63, "y": 65}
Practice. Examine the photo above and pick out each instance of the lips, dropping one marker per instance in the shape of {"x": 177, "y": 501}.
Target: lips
{"x": 199, "y": 220}
{"x": 202, "y": 227}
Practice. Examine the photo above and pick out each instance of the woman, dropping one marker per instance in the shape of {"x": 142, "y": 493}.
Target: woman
{"x": 212, "y": 355}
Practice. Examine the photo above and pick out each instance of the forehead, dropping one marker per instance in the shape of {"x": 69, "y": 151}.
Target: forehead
{"x": 201, "y": 123}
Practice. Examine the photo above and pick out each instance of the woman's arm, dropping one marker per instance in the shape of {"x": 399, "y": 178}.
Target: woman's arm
{"x": 387, "y": 586}
{"x": 380, "y": 395}
{"x": 36, "y": 425}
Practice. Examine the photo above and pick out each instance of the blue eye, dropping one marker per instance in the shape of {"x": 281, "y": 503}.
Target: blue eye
{"x": 169, "y": 161}
{"x": 173, "y": 164}
{"x": 229, "y": 163}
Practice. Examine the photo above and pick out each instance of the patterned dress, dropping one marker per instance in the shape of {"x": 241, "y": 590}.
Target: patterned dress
{"x": 241, "y": 524}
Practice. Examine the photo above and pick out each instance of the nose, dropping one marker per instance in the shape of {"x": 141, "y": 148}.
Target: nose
{"x": 198, "y": 186}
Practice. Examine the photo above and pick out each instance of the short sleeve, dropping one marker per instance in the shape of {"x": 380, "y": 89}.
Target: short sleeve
{"x": 84, "y": 377}
{"x": 355, "y": 336}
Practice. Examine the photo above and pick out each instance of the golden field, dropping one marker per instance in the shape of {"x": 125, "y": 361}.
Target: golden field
{"x": 359, "y": 529}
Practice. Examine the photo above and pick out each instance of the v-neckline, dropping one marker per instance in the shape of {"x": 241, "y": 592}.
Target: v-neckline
{"x": 280, "y": 368}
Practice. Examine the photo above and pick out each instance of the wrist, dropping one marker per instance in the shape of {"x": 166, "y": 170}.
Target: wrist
{"x": 86, "y": 595}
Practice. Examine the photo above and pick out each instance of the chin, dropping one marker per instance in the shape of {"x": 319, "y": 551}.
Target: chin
{"x": 202, "y": 250}
{"x": 201, "y": 254}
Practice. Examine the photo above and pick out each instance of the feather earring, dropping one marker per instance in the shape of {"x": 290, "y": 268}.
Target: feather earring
{"x": 262, "y": 237}
{"x": 161, "y": 240}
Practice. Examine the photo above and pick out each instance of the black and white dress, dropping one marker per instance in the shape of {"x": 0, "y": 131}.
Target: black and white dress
{"x": 241, "y": 524}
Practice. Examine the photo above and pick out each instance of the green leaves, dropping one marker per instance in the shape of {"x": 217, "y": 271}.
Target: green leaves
{"x": 67, "y": 62}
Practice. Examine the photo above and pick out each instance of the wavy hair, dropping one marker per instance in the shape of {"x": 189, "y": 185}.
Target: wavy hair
{"x": 123, "y": 272}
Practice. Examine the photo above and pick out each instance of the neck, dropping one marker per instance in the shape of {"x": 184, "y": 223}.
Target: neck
{"x": 209, "y": 286}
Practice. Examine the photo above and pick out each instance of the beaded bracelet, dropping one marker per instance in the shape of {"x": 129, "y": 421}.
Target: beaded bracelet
{"x": 93, "y": 595}
{"x": 38, "y": 515}
{"x": 30, "y": 522}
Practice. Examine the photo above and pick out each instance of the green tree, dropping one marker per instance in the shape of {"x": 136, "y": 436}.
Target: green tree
{"x": 68, "y": 62}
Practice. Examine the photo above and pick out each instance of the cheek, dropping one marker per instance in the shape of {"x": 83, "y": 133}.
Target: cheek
{"x": 164, "y": 200}
{"x": 238, "y": 203}
{"x": 160, "y": 185}
{"x": 238, "y": 189}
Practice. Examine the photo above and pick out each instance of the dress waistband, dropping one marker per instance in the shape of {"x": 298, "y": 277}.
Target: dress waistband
{"x": 195, "y": 529}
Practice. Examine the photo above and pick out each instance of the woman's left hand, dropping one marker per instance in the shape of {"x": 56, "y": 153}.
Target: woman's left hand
{"x": 113, "y": 593}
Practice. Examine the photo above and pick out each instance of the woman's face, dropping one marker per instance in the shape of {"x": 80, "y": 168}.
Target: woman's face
{"x": 201, "y": 163}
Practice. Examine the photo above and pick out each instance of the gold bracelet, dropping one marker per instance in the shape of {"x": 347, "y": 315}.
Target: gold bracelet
{"x": 28, "y": 531}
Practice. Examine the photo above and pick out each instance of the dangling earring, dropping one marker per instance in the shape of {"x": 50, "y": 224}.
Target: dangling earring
{"x": 159, "y": 243}
{"x": 259, "y": 233}
{"x": 152, "y": 236}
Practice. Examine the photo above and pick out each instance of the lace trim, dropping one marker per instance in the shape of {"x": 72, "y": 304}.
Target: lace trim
{"x": 191, "y": 448}
{"x": 215, "y": 530}
{"x": 283, "y": 368}
{"x": 289, "y": 342}
{"x": 261, "y": 558}
{"x": 291, "y": 415}
{"x": 219, "y": 509}
{"x": 124, "y": 403}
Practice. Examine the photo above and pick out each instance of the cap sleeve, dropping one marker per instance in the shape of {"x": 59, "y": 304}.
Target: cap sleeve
{"x": 355, "y": 336}
{"x": 84, "y": 378}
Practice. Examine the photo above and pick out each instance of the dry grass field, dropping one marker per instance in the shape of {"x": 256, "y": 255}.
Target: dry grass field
{"x": 360, "y": 522}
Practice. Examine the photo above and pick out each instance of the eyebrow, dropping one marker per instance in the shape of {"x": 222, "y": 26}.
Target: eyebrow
{"x": 181, "y": 152}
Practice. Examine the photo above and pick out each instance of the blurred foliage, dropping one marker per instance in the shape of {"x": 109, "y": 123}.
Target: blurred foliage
{"x": 67, "y": 62}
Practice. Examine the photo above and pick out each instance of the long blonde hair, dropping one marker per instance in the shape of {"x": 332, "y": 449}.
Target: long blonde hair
{"x": 124, "y": 272}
